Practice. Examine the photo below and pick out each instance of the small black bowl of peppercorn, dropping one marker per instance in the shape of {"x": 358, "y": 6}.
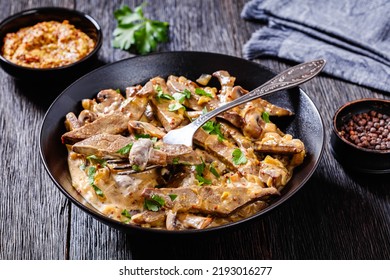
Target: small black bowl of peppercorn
{"x": 361, "y": 135}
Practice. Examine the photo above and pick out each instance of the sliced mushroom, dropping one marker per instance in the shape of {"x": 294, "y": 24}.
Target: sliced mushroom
{"x": 227, "y": 83}
{"x": 138, "y": 127}
{"x": 140, "y": 153}
{"x": 87, "y": 116}
{"x": 108, "y": 96}
{"x": 71, "y": 121}
{"x": 154, "y": 219}
{"x": 109, "y": 101}
{"x": 236, "y": 92}
{"x": 171, "y": 222}
{"x": 193, "y": 221}
{"x": 177, "y": 221}
{"x": 253, "y": 123}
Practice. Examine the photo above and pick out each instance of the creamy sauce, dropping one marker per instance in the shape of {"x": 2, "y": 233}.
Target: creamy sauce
{"x": 120, "y": 192}
{"x": 47, "y": 44}
{"x": 219, "y": 188}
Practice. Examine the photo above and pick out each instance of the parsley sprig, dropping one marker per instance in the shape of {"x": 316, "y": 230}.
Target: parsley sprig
{"x": 134, "y": 29}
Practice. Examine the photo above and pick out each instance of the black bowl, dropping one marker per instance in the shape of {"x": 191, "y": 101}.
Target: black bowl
{"x": 306, "y": 124}
{"x": 69, "y": 72}
{"x": 350, "y": 155}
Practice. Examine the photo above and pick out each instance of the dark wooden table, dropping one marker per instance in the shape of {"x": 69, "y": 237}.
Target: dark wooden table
{"x": 336, "y": 215}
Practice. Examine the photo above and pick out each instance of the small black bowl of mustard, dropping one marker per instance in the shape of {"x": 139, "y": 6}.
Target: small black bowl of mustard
{"x": 361, "y": 135}
{"x": 49, "y": 44}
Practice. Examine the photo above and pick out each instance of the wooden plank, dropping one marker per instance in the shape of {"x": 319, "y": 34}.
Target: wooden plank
{"x": 34, "y": 215}
{"x": 336, "y": 215}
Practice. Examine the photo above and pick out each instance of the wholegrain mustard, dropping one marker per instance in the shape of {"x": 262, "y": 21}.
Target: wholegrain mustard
{"x": 47, "y": 44}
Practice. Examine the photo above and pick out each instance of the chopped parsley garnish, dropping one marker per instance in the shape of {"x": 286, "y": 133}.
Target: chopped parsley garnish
{"x": 91, "y": 172}
{"x": 214, "y": 171}
{"x": 202, "y": 92}
{"x": 172, "y": 196}
{"x": 118, "y": 90}
{"x": 265, "y": 117}
{"x": 199, "y": 168}
{"x": 126, "y": 213}
{"x": 125, "y": 150}
{"x": 135, "y": 167}
{"x": 202, "y": 180}
{"x": 146, "y": 136}
{"x": 154, "y": 203}
{"x": 98, "y": 191}
{"x": 209, "y": 127}
{"x": 212, "y": 127}
{"x": 96, "y": 160}
{"x": 181, "y": 96}
{"x": 175, "y": 106}
{"x": 134, "y": 29}
{"x": 162, "y": 95}
{"x": 138, "y": 136}
{"x": 175, "y": 161}
{"x": 151, "y": 205}
{"x": 238, "y": 157}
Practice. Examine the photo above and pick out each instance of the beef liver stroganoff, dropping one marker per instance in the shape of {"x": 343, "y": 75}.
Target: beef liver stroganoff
{"x": 120, "y": 165}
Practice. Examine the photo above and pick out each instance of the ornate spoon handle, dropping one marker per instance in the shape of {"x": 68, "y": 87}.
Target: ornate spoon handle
{"x": 289, "y": 78}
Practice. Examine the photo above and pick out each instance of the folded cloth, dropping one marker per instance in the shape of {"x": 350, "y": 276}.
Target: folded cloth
{"x": 353, "y": 36}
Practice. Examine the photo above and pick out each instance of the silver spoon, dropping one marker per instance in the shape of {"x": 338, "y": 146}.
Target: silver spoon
{"x": 289, "y": 78}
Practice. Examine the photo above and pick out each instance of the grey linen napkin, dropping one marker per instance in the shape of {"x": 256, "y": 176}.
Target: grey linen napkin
{"x": 352, "y": 35}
